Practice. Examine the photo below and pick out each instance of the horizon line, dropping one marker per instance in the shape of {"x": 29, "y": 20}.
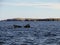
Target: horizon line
{"x": 28, "y": 18}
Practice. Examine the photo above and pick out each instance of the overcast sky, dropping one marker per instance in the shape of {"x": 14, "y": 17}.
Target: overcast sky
{"x": 29, "y": 9}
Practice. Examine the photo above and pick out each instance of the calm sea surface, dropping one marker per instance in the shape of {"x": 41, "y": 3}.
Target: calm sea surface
{"x": 39, "y": 33}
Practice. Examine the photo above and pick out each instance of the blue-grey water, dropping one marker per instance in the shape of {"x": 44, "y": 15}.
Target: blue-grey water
{"x": 39, "y": 33}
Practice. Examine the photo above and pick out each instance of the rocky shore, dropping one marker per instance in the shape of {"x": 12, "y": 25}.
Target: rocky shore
{"x": 31, "y": 19}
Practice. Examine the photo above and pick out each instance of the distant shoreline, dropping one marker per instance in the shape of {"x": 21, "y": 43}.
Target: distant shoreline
{"x": 31, "y": 19}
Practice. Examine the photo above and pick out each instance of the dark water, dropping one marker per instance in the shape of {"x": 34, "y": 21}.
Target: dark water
{"x": 40, "y": 33}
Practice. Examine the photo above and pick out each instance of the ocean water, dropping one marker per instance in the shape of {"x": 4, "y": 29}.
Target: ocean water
{"x": 39, "y": 33}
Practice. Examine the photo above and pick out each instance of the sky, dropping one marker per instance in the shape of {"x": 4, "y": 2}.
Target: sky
{"x": 29, "y": 9}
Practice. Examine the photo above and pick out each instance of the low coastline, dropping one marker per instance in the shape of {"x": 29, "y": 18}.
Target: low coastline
{"x": 32, "y": 19}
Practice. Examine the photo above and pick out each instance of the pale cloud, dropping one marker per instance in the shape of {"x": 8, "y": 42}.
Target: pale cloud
{"x": 39, "y": 5}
